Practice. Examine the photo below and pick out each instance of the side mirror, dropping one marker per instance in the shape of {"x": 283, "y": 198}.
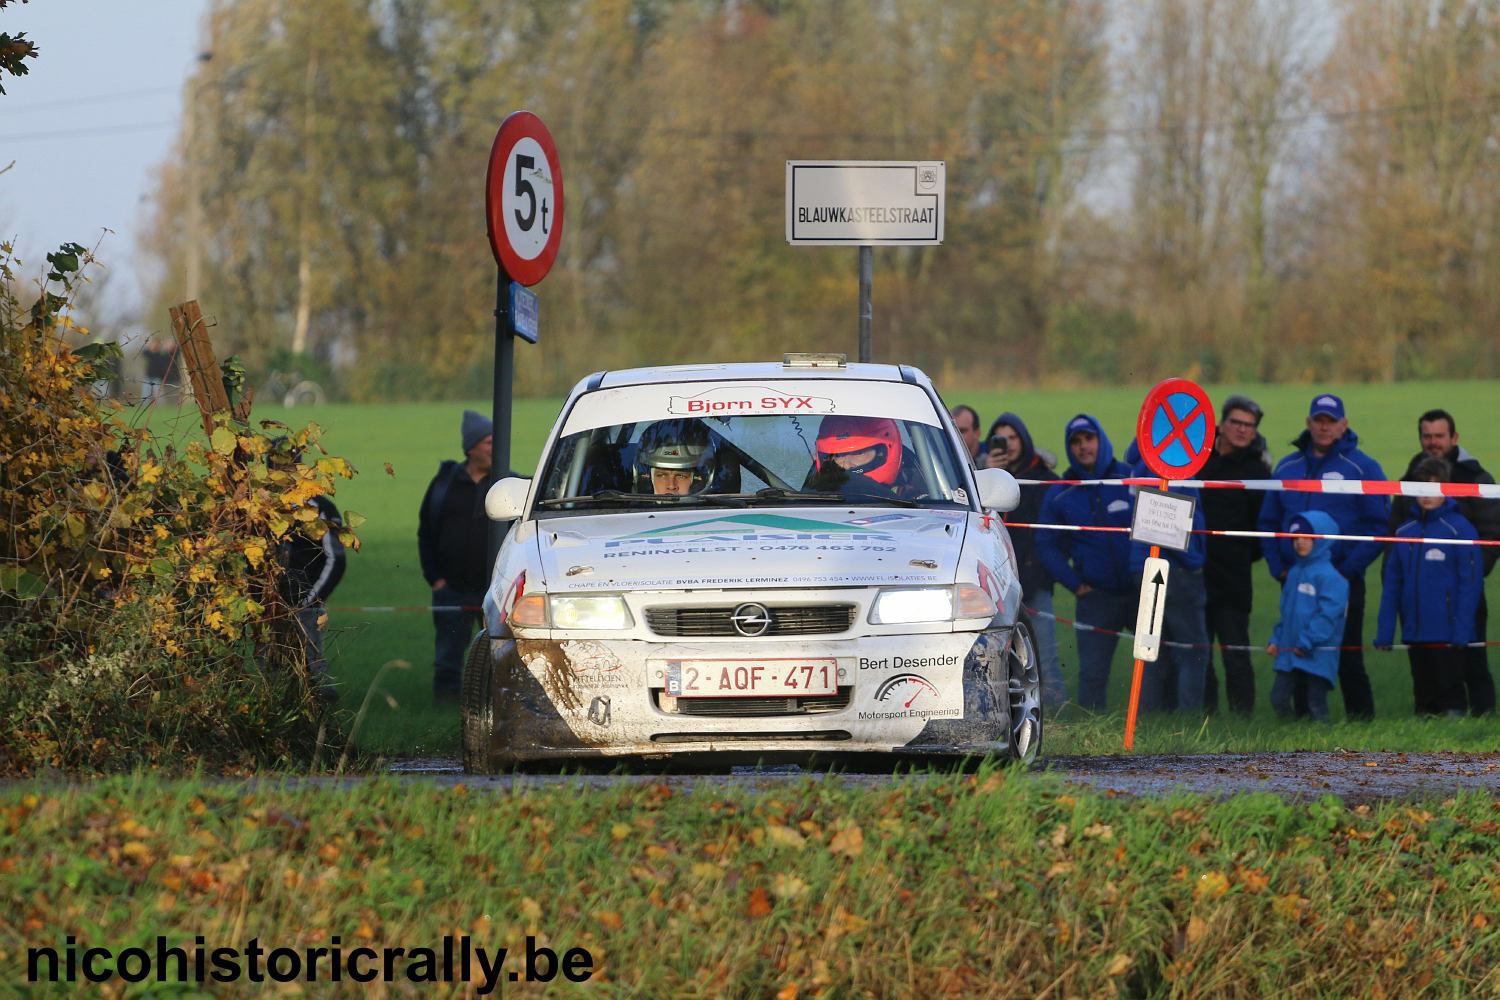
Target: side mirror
{"x": 506, "y": 499}
{"x": 997, "y": 489}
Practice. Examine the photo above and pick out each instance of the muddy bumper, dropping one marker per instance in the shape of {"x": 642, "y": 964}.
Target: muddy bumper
{"x": 924, "y": 694}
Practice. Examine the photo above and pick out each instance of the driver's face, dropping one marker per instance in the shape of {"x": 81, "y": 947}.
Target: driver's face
{"x": 854, "y": 459}
{"x": 672, "y": 482}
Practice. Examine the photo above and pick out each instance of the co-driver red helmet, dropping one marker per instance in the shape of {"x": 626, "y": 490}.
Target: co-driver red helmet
{"x": 843, "y": 435}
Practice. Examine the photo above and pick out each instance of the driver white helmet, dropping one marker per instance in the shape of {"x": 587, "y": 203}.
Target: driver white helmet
{"x": 676, "y": 445}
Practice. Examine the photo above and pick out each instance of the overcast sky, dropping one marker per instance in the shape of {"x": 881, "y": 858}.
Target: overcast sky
{"x": 85, "y": 127}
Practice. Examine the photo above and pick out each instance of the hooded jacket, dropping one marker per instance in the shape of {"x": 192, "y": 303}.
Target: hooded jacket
{"x": 1354, "y": 513}
{"x": 1314, "y": 603}
{"x": 314, "y": 568}
{"x": 1034, "y": 575}
{"x": 1099, "y": 558}
{"x": 1482, "y": 513}
{"x": 1226, "y": 574}
{"x": 1434, "y": 588}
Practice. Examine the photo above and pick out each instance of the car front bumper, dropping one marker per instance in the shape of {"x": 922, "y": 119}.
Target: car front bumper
{"x": 583, "y": 698}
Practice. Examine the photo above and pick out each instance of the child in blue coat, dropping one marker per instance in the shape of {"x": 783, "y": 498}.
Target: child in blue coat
{"x": 1314, "y": 601}
{"x": 1435, "y": 589}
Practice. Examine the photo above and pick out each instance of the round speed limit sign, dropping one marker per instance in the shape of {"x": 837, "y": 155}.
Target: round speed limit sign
{"x": 523, "y": 198}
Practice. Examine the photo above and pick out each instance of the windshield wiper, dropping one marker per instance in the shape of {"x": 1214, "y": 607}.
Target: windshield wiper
{"x": 777, "y": 494}
{"x": 618, "y": 496}
{"x": 608, "y": 496}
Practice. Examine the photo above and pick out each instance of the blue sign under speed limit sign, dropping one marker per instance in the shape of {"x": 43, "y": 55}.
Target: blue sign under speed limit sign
{"x": 523, "y": 198}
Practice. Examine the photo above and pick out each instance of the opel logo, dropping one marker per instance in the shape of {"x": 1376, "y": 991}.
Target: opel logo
{"x": 751, "y": 620}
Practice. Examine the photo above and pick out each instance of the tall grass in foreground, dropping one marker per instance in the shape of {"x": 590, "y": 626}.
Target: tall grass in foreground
{"x": 990, "y": 885}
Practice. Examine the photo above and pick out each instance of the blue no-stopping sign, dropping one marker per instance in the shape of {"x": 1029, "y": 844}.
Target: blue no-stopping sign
{"x": 1176, "y": 427}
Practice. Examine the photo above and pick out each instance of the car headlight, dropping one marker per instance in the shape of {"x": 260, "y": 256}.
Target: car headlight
{"x": 912, "y": 605}
{"x": 597, "y": 611}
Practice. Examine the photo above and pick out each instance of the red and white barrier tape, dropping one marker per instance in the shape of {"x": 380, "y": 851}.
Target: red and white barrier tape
{"x": 1227, "y": 533}
{"x": 1363, "y": 487}
{"x": 1079, "y": 626}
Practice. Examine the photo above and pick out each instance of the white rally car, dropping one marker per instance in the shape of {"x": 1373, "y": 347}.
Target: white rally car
{"x": 758, "y": 558}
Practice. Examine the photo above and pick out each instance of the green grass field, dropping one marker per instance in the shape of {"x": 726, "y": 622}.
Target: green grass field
{"x": 413, "y": 438}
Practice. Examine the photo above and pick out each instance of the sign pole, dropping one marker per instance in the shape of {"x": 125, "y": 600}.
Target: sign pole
{"x": 523, "y": 211}
{"x": 501, "y": 403}
{"x": 866, "y": 310}
{"x": 865, "y": 204}
{"x": 1140, "y": 668}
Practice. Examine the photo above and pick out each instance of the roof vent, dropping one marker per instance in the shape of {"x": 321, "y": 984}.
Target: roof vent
{"x": 815, "y": 361}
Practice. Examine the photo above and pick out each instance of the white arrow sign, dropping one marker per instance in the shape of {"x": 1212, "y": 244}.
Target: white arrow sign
{"x": 1153, "y": 606}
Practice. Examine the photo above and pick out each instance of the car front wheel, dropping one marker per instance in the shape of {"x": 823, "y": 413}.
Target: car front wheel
{"x": 478, "y": 706}
{"x": 1024, "y": 684}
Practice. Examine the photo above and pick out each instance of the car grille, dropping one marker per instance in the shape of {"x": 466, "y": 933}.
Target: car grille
{"x": 741, "y": 708}
{"x": 811, "y": 619}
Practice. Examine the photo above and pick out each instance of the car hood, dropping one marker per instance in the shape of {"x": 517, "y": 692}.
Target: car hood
{"x": 751, "y": 548}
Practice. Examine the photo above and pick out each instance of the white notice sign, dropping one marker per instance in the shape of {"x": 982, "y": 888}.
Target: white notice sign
{"x": 864, "y": 202}
{"x": 1164, "y": 519}
{"x": 1153, "y": 606}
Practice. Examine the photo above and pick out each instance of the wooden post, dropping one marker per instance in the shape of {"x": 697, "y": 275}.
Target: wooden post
{"x": 203, "y": 368}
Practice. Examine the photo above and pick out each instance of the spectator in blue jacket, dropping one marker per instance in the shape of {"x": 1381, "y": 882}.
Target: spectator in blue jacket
{"x": 1435, "y": 589}
{"x": 1313, "y": 605}
{"x": 1010, "y": 448}
{"x": 1329, "y": 450}
{"x": 1094, "y": 565}
{"x": 1438, "y": 434}
{"x": 1177, "y": 677}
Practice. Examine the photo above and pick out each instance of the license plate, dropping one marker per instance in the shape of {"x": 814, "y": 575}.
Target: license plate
{"x": 752, "y": 678}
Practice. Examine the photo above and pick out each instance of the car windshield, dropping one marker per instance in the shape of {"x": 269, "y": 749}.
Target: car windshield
{"x": 689, "y": 452}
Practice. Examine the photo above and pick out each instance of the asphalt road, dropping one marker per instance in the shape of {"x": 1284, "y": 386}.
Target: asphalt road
{"x": 1351, "y": 776}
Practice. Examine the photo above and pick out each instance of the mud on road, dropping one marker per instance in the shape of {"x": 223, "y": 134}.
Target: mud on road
{"x": 1354, "y": 777}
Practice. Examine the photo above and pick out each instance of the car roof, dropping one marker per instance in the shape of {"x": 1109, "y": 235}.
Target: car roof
{"x": 757, "y": 370}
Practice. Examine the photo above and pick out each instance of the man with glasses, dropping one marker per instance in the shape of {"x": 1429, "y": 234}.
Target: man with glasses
{"x": 1328, "y": 449}
{"x": 1011, "y": 449}
{"x": 1239, "y": 453}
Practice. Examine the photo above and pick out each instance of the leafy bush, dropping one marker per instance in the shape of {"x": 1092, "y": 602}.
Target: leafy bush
{"x": 141, "y": 617}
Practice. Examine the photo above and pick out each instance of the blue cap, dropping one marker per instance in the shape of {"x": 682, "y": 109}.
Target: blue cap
{"x": 1327, "y": 404}
{"x": 1080, "y": 423}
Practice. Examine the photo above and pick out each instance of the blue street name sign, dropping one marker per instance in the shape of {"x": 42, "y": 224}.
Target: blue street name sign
{"x": 525, "y": 312}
